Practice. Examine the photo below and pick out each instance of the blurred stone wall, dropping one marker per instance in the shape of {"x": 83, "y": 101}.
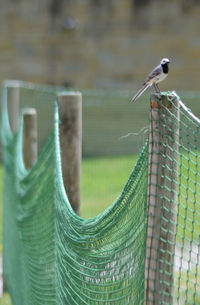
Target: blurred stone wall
{"x": 99, "y": 43}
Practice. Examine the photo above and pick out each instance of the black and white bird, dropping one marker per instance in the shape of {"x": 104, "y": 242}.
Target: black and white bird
{"x": 158, "y": 74}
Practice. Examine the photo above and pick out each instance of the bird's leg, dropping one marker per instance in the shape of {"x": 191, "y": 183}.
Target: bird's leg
{"x": 154, "y": 85}
{"x": 157, "y": 88}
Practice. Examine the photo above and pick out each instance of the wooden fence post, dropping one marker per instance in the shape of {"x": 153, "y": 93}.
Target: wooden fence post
{"x": 29, "y": 137}
{"x": 162, "y": 199}
{"x": 13, "y": 106}
{"x": 13, "y": 116}
{"x": 70, "y": 114}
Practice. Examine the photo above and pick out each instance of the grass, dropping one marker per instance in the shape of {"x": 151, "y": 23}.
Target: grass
{"x": 5, "y": 300}
{"x": 102, "y": 181}
{"x": 189, "y": 290}
{"x": 189, "y": 197}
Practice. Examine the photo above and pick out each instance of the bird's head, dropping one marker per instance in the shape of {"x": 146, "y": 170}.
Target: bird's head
{"x": 164, "y": 61}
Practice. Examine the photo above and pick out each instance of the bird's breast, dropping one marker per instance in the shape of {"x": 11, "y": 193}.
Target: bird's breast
{"x": 160, "y": 78}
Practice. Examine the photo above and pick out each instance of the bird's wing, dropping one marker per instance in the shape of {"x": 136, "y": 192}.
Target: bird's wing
{"x": 156, "y": 71}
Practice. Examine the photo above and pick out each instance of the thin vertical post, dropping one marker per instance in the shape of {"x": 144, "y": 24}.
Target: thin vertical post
{"x": 70, "y": 114}
{"x": 162, "y": 198}
{"x": 29, "y": 136}
{"x": 13, "y": 95}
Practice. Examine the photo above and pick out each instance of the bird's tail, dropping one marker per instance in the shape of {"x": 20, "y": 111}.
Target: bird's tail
{"x": 139, "y": 93}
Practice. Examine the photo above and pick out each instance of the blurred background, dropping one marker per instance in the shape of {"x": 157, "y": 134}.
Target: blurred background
{"x": 100, "y": 43}
{"x": 105, "y": 49}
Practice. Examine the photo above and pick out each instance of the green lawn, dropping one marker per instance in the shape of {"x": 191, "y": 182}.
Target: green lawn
{"x": 102, "y": 181}
{"x": 189, "y": 197}
{"x": 5, "y": 300}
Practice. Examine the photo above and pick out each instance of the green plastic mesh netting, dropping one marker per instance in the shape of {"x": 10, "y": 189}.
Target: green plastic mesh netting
{"x": 51, "y": 256}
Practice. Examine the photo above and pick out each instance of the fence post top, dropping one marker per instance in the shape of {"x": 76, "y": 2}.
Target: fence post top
{"x": 166, "y": 99}
{"x": 28, "y": 111}
{"x": 12, "y": 83}
{"x": 69, "y": 93}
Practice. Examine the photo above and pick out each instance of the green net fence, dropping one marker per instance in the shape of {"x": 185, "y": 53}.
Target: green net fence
{"x": 173, "y": 226}
{"x": 52, "y": 256}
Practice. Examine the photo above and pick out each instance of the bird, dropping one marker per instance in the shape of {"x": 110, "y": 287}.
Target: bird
{"x": 157, "y": 75}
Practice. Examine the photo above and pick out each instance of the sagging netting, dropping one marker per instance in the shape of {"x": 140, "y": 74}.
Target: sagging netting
{"x": 52, "y": 256}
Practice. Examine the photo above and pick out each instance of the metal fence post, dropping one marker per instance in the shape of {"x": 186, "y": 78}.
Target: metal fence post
{"x": 70, "y": 114}
{"x": 162, "y": 187}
